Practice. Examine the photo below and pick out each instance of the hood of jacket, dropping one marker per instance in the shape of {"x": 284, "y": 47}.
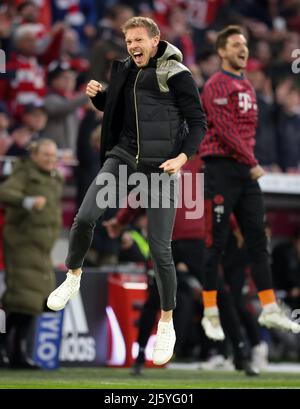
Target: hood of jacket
{"x": 169, "y": 52}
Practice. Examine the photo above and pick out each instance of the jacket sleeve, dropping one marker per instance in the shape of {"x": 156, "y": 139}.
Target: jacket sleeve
{"x": 12, "y": 191}
{"x": 99, "y": 100}
{"x": 61, "y": 107}
{"x": 189, "y": 103}
{"x": 222, "y": 117}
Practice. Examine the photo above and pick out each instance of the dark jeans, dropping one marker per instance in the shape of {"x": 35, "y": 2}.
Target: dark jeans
{"x": 229, "y": 189}
{"x": 160, "y": 223}
{"x": 191, "y": 253}
{"x": 235, "y": 262}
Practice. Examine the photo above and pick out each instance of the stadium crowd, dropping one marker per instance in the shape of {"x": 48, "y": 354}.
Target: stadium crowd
{"x": 52, "y": 48}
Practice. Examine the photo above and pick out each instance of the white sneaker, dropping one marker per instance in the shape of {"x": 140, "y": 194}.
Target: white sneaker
{"x": 259, "y": 356}
{"x": 211, "y": 324}
{"x": 164, "y": 344}
{"x": 58, "y": 299}
{"x": 274, "y": 317}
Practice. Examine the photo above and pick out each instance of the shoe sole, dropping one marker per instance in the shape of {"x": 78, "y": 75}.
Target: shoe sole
{"x": 221, "y": 338}
{"x": 268, "y": 325}
{"x": 159, "y": 363}
{"x": 214, "y": 338}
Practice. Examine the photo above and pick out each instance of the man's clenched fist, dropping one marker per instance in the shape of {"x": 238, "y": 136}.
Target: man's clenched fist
{"x": 92, "y": 88}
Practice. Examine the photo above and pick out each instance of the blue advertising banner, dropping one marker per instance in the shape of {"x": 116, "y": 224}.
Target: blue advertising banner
{"x": 84, "y": 332}
{"x": 48, "y": 339}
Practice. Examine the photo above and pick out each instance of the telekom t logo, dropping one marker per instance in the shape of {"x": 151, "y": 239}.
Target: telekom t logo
{"x": 245, "y": 102}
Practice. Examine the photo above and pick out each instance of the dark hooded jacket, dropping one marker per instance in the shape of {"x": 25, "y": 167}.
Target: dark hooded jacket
{"x": 169, "y": 115}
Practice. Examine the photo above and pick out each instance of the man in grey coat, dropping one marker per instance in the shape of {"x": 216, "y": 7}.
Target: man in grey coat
{"x": 61, "y": 105}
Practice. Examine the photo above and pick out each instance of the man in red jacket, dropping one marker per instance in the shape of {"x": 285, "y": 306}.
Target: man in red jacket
{"x": 231, "y": 174}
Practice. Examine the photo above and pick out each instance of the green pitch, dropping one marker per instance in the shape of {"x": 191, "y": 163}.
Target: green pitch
{"x": 107, "y": 378}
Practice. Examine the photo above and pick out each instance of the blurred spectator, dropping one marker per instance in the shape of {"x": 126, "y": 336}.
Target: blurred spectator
{"x": 24, "y": 81}
{"x": 61, "y": 104}
{"x": 44, "y": 11}
{"x": 266, "y": 149}
{"x": 263, "y": 52}
{"x": 200, "y": 14}
{"x": 6, "y": 18}
{"x": 290, "y": 10}
{"x": 209, "y": 63}
{"x": 286, "y": 269}
{"x": 197, "y": 76}
{"x": 282, "y": 67}
{"x": 140, "y": 6}
{"x": 35, "y": 119}
{"x": 70, "y": 52}
{"x": 29, "y": 17}
{"x": 21, "y": 137}
{"x": 179, "y": 34}
{"x": 134, "y": 245}
{"x": 110, "y": 45}
{"x": 78, "y": 14}
{"x": 288, "y": 130}
{"x": 32, "y": 222}
{"x": 5, "y": 138}
{"x": 88, "y": 152}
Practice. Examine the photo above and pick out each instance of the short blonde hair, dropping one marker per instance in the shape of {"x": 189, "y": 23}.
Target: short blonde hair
{"x": 145, "y": 22}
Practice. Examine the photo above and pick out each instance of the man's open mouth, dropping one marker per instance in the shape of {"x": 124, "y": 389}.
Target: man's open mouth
{"x": 138, "y": 57}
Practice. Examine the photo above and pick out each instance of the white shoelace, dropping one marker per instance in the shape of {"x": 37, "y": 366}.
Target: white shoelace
{"x": 163, "y": 339}
{"x": 67, "y": 287}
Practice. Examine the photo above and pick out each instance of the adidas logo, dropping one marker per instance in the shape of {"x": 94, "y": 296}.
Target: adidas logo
{"x": 76, "y": 345}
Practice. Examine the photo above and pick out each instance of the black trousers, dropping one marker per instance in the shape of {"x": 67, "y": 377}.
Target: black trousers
{"x": 18, "y": 327}
{"x": 235, "y": 262}
{"x": 229, "y": 189}
{"x": 160, "y": 222}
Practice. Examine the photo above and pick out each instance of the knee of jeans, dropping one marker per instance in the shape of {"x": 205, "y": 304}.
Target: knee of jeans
{"x": 161, "y": 254}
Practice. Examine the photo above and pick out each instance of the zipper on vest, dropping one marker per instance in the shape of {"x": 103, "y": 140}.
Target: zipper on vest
{"x": 136, "y": 118}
